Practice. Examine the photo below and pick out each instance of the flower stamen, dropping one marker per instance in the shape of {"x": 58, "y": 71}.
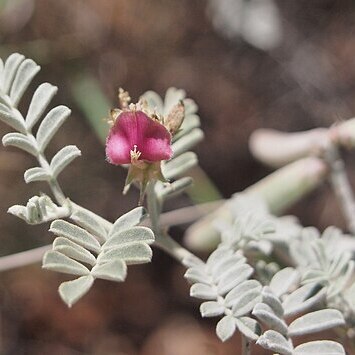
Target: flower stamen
{"x": 135, "y": 154}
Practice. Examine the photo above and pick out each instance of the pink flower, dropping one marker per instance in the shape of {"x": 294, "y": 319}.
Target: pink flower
{"x": 134, "y": 136}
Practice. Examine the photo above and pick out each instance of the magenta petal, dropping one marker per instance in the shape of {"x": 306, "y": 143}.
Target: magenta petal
{"x": 135, "y": 128}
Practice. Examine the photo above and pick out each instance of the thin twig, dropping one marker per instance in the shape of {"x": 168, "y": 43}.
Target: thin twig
{"x": 171, "y": 247}
{"x": 24, "y": 258}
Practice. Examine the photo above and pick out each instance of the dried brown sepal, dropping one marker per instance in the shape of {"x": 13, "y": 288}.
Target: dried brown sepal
{"x": 175, "y": 118}
{"x": 114, "y": 113}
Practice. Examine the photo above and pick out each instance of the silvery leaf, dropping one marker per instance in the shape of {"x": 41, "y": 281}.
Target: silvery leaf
{"x": 133, "y": 253}
{"x": 20, "y": 141}
{"x": 55, "y": 261}
{"x": 175, "y": 188}
{"x": 179, "y": 165}
{"x": 12, "y": 118}
{"x": 316, "y": 322}
{"x": 219, "y": 268}
{"x": 211, "y": 309}
{"x": 273, "y": 301}
{"x": 128, "y": 220}
{"x": 154, "y": 101}
{"x": 187, "y": 141}
{"x": 320, "y": 347}
{"x": 195, "y": 274}
{"x": 266, "y": 315}
{"x": 128, "y": 236}
{"x": 283, "y": 281}
{"x": 190, "y": 122}
{"x": 114, "y": 270}
{"x": 25, "y": 73}
{"x": 172, "y": 97}
{"x": 50, "y": 125}
{"x": 73, "y": 250}
{"x": 36, "y": 174}
{"x": 246, "y": 302}
{"x": 40, "y": 100}
{"x": 274, "y": 341}
{"x": 63, "y": 158}
{"x": 234, "y": 277}
{"x": 91, "y": 222}
{"x": 76, "y": 234}
{"x": 72, "y": 291}
{"x": 11, "y": 65}
{"x": 302, "y": 299}
{"x": 203, "y": 291}
{"x": 39, "y": 209}
{"x": 225, "y": 328}
{"x": 248, "y": 327}
{"x": 246, "y": 286}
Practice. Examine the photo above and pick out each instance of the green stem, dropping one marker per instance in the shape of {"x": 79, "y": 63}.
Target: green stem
{"x": 171, "y": 247}
{"x": 53, "y": 183}
{"x": 162, "y": 239}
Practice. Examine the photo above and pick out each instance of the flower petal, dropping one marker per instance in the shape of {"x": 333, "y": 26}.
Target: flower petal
{"x": 135, "y": 128}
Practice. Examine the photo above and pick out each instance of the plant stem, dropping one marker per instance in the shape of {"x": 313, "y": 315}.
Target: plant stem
{"x": 162, "y": 239}
{"x": 53, "y": 183}
{"x": 246, "y": 349}
{"x": 24, "y": 258}
{"x": 170, "y": 246}
{"x": 341, "y": 186}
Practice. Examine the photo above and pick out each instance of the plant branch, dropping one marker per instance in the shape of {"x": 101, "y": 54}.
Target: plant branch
{"x": 246, "y": 350}
{"x": 171, "y": 247}
{"x": 53, "y": 183}
{"x": 24, "y": 258}
{"x": 341, "y": 186}
{"x": 179, "y": 216}
{"x": 162, "y": 239}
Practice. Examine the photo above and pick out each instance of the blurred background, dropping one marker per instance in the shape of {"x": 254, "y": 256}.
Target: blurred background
{"x": 247, "y": 63}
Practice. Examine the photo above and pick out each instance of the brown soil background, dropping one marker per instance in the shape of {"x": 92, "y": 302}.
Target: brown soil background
{"x": 308, "y": 81}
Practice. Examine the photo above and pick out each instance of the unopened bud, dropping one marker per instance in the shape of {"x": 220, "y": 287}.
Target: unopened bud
{"x": 123, "y": 98}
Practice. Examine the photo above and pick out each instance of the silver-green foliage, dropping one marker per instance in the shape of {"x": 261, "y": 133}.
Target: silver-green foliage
{"x": 324, "y": 262}
{"x": 93, "y": 248}
{"x": 223, "y": 281}
{"x": 40, "y": 209}
{"x": 252, "y": 227}
{"x": 187, "y": 137}
{"x": 278, "y": 336}
{"x": 244, "y": 305}
{"x": 15, "y": 77}
{"x": 92, "y": 251}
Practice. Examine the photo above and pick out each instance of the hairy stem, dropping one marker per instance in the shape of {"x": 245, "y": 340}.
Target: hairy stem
{"x": 53, "y": 183}
{"x": 246, "y": 348}
{"x": 171, "y": 247}
{"x": 341, "y": 186}
{"x": 24, "y": 258}
{"x": 162, "y": 239}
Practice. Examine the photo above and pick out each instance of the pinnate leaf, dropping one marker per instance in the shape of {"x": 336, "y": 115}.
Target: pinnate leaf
{"x": 225, "y": 328}
{"x": 72, "y": 291}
